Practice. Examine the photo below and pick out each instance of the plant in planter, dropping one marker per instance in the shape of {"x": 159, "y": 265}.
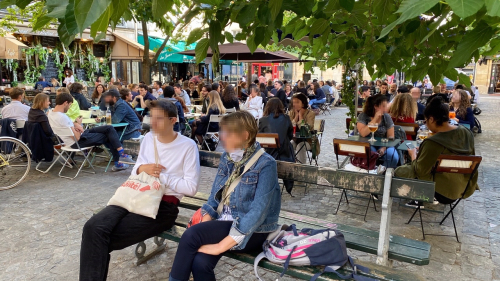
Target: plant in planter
{"x": 349, "y": 78}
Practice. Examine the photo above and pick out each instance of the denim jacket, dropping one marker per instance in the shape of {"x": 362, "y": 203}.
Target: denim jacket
{"x": 256, "y": 201}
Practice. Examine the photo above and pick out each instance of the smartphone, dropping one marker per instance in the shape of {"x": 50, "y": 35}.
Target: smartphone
{"x": 80, "y": 116}
{"x": 410, "y": 145}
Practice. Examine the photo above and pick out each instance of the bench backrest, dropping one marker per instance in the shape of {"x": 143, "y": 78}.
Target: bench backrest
{"x": 400, "y": 188}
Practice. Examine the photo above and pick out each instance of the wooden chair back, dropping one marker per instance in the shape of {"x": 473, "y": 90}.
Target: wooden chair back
{"x": 351, "y": 148}
{"x": 268, "y": 140}
{"x": 409, "y": 128}
{"x": 457, "y": 164}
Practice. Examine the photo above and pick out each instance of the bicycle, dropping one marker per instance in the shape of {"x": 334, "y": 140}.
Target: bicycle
{"x": 15, "y": 162}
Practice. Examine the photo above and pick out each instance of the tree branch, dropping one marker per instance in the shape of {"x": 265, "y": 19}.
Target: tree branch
{"x": 160, "y": 49}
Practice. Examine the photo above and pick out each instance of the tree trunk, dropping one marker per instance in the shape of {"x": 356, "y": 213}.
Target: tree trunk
{"x": 146, "y": 61}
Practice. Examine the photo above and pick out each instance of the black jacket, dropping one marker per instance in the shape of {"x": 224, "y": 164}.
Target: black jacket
{"x": 82, "y": 101}
{"x": 41, "y": 145}
{"x": 231, "y": 104}
{"x": 38, "y": 116}
{"x": 8, "y": 129}
{"x": 282, "y": 96}
{"x": 283, "y": 127}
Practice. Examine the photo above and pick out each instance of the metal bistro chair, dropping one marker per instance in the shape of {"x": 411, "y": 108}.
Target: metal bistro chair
{"x": 350, "y": 149}
{"x": 212, "y": 135}
{"x": 409, "y": 128}
{"x": 319, "y": 126}
{"x": 454, "y": 164}
{"x": 230, "y": 110}
{"x": 67, "y": 132}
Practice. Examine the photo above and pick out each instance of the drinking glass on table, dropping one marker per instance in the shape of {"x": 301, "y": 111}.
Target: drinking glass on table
{"x": 452, "y": 115}
{"x": 373, "y": 128}
{"x": 101, "y": 114}
{"x": 422, "y": 135}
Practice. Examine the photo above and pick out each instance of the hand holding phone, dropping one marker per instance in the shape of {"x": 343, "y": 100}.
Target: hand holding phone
{"x": 410, "y": 145}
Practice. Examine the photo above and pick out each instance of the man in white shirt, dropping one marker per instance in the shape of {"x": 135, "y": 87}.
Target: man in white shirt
{"x": 115, "y": 228}
{"x": 96, "y": 136}
{"x": 16, "y": 110}
{"x": 158, "y": 89}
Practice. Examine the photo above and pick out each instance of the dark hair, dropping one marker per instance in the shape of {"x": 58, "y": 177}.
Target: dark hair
{"x": 117, "y": 83}
{"x": 208, "y": 87}
{"x": 70, "y": 72}
{"x": 274, "y": 106}
{"x": 279, "y": 82}
{"x": 16, "y": 92}
{"x": 371, "y": 102}
{"x": 253, "y": 88}
{"x": 95, "y": 94}
{"x": 316, "y": 85}
{"x": 75, "y": 87}
{"x": 215, "y": 86}
{"x": 262, "y": 87}
{"x": 365, "y": 88}
{"x": 143, "y": 86}
{"x": 384, "y": 84}
{"x": 315, "y": 80}
{"x": 40, "y": 78}
{"x": 158, "y": 83}
{"x": 169, "y": 108}
{"x": 228, "y": 94}
{"x": 269, "y": 82}
{"x": 302, "y": 98}
{"x": 438, "y": 110}
{"x": 171, "y": 84}
{"x": 113, "y": 93}
{"x": 168, "y": 92}
{"x": 403, "y": 89}
{"x": 256, "y": 82}
{"x": 124, "y": 93}
{"x": 459, "y": 87}
{"x": 177, "y": 85}
{"x": 64, "y": 97}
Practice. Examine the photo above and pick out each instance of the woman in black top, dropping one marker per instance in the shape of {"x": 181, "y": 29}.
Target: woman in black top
{"x": 302, "y": 88}
{"x": 37, "y": 113}
{"x": 263, "y": 93}
{"x": 200, "y": 125}
{"x": 275, "y": 121}
{"x": 229, "y": 98}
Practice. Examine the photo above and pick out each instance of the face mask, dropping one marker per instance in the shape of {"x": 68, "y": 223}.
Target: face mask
{"x": 237, "y": 154}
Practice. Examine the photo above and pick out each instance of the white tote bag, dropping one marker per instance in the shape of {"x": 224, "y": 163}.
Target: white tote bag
{"x": 141, "y": 194}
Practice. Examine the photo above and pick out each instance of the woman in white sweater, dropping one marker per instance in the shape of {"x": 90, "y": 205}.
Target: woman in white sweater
{"x": 254, "y": 102}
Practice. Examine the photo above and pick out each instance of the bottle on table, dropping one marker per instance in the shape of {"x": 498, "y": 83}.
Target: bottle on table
{"x": 108, "y": 116}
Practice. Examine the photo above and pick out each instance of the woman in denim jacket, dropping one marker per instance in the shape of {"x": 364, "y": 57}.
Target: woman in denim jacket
{"x": 249, "y": 213}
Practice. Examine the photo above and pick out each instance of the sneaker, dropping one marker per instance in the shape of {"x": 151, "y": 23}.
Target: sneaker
{"x": 126, "y": 158}
{"x": 435, "y": 202}
{"x": 414, "y": 204}
{"x": 375, "y": 197}
{"x": 119, "y": 167}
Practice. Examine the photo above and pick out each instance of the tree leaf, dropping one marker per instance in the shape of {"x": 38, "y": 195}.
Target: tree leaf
{"x": 118, "y": 9}
{"x": 70, "y": 25}
{"x": 65, "y": 36}
{"x": 201, "y": 50}
{"x": 246, "y": 15}
{"x": 347, "y": 4}
{"x": 101, "y": 24}
{"x": 195, "y": 35}
{"x": 493, "y": 7}
{"x": 6, "y": 3}
{"x": 383, "y": 8}
{"x": 435, "y": 74}
{"x": 161, "y": 7}
{"x": 229, "y": 37}
{"x": 495, "y": 48}
{"x": 433, "y": 26}
{"x": 464, "y": 79}
{"x": 275, "y": 7}
{"x": 408, "y": 10}
{"x": 473, "y": 40}
{"x": 22, "y": 3}
{"x": 41, "y": 22}
{"x": 100, "y": 36}
{"x": 259, "y": 35}
{"x": 319, "y": 26}
{"x": 57, "y": 8}
{"x": 86, "y": 12}
{"x": 465, "y": 8}
{"x": 215, "y": 34}
{"x": 251, "y": 43}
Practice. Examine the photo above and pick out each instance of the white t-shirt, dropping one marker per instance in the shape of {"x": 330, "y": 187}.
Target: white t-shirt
{"x": 180, "y": 159}
{"x": 69, "y": 80}
{"x": 61, "y": 120}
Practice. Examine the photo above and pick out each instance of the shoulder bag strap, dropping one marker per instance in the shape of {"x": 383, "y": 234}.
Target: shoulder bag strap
{"x": 235, "y": 183}
{"x": 157, "y": 158}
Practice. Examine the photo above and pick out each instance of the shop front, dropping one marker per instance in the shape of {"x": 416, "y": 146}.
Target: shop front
{"x": 126, "y": 59}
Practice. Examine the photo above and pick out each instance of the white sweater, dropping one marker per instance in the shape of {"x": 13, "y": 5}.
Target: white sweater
{"x": 180, "y": 159}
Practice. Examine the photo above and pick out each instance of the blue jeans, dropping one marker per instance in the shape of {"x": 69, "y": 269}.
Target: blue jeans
{"x": 390, "y": 158}
{"x": 313, "y": 103}
{"x": 131, "y": 135}
{"x": 106, "y": 135}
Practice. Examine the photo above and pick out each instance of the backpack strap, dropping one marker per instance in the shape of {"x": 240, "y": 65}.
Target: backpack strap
{"x": 354, "y": 275}
{"x": 256, "y": 263}
{"x": 287, "y": 261}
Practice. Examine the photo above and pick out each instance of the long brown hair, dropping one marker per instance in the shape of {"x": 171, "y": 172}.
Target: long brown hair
{"x": 463, "y": 104}
{"x": 371, "y": 102}
{"x": 403, "y": 105}
{"x": 274, "y": 106}
{"x": 95, "y": 94}
{"x": 39, "y": 101}
{"x": 229, "y": 94}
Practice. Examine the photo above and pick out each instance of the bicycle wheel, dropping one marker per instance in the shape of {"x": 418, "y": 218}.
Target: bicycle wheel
{"x": 15, "y": 162}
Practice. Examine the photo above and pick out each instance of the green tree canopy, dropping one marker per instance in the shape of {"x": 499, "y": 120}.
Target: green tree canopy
{"x": 416, "y": 36}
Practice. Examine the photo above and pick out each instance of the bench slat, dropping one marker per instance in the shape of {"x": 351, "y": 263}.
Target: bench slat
{"x": 400, "y": 248}
{"x": 304, "y": 272}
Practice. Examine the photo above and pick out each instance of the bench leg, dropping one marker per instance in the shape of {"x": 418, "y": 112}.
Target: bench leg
{"x": 385, "y": 222}
{"x": 340, "y": 201}
{"x": 140, "y": 250}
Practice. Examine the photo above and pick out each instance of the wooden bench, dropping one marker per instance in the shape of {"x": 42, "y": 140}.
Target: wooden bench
{"x": 387, "y": 247}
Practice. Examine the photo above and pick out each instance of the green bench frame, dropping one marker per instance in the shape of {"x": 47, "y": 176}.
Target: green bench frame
{"x": 387, "y": 247}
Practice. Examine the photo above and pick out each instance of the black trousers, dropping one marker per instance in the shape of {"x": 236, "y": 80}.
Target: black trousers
{"x": 114, "y": 228}
{"x": 187, "y": 259}
{"x": 106, "y": 135}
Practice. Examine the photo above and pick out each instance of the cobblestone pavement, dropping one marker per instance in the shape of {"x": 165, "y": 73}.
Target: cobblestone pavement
{"x": 41, "y": 221}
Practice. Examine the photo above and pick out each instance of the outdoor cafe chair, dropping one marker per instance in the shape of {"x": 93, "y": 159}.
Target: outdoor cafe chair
{"x": 230, "y": 110}
{"x": 212, "y": 135}
{"x": 458, "y": 165}
{"x": 350, "y": 148}
{"x": 67, "y": 132}
{"x": 409, "y": 128}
